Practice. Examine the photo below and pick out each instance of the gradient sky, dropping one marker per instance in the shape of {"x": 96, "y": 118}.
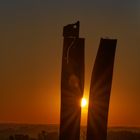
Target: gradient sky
{"x": 31, "y": 49}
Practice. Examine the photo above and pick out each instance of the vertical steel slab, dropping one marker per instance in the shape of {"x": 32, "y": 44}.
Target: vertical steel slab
{"x": 100, "y": 89}
{"x": 72, "y": 83}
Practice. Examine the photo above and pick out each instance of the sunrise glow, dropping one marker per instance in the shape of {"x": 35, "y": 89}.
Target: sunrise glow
{"x": 83, "y": 102}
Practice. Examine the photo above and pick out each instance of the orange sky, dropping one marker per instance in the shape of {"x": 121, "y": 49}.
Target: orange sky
{"x": 31, "y": 50}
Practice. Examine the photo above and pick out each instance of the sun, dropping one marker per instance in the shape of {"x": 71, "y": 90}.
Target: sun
{"x": 83, "y": 102}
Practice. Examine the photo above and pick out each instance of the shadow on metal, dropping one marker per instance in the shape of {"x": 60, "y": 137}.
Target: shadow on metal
{"x": 72, "y": 83}
{"x": 100, "y": 89}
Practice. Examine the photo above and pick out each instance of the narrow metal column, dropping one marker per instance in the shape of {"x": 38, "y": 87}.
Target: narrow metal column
{"x": 72, "y": 83}
{"x": 100, "y": 90}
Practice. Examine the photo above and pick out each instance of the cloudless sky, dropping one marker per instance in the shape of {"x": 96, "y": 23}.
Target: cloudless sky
{"x": 31, "y": 49}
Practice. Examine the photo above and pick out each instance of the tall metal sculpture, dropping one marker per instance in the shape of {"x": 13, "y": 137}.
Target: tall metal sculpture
{"x": 100, "y": 90}
{"x": 72, "y": 83}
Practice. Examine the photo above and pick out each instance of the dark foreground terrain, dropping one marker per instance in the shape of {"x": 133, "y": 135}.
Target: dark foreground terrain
{"x": 50, "y": 132}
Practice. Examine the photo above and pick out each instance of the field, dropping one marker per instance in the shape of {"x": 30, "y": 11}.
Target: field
{"x": 52, "y": 132}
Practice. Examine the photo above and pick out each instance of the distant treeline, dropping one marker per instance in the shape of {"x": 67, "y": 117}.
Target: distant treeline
{"x": 52, "y": 132}
{"x": 123, "y": 135}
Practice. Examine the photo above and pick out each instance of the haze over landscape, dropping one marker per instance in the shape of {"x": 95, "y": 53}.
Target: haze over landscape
{"x": 31, "y": 51}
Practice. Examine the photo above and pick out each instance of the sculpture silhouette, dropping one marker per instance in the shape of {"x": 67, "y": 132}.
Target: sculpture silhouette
{"x": 72, "y": 83}
{"x": 100, "y": 90}
{"x": 72, "y": 86}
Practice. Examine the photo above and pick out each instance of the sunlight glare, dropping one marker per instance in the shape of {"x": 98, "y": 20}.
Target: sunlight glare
{"x": 83, "y": 102}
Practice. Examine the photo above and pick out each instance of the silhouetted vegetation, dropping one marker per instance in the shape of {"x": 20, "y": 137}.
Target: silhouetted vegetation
{"x": 123, "y": 135}
{"x": 51, "y": 132}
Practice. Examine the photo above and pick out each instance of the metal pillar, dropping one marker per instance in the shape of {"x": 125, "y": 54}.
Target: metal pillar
{"x": 100, "y": 90}
{"x": 72, "y": 83}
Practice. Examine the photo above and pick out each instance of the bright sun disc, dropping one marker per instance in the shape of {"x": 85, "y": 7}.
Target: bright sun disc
{"x": 83, "y": 102}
